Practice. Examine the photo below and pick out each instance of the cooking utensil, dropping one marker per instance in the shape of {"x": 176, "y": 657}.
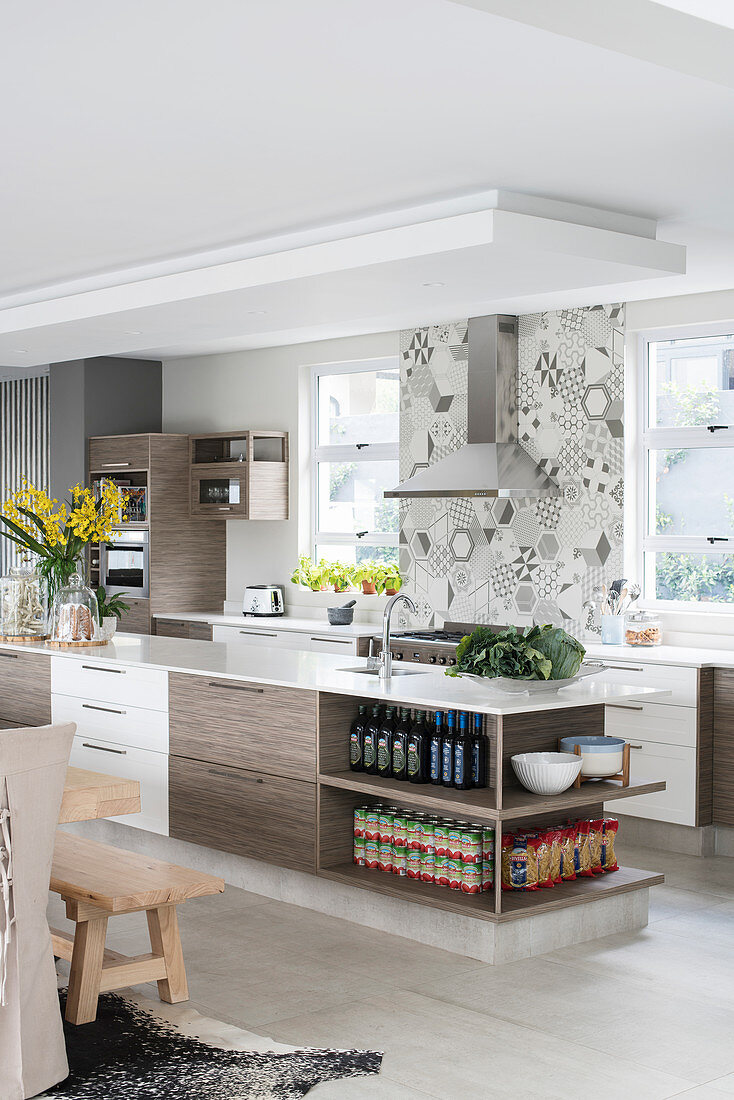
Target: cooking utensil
{"x": 341, "y": 616}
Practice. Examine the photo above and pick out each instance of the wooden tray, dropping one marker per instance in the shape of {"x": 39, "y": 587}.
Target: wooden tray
{"x": 77, "y": 645}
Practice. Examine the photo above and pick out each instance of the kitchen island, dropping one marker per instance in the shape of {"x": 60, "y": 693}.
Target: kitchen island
{"x": 243, "y": 753}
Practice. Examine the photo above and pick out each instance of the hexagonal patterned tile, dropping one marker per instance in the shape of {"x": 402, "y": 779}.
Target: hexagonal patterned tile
{"x": 525, "y": 599}
{"x": 461, "y": 544}
{"x": 420, "y": 544}
{"x": 503, "y": 512}
{"x": 548, "y": 546}
{"x": 596, "y": 401}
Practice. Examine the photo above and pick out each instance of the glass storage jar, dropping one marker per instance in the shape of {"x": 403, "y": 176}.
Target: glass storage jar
{"x": 75, "y": 614}
{"x": 642, "y": 628}
{"x": 23, "y": 604}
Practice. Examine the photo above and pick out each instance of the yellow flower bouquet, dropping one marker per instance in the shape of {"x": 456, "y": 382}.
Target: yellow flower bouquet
{"x": 57, "y": 534}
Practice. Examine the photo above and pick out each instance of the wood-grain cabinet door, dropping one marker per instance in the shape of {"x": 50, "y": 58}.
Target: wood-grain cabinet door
{"x": 243, "y": 812}
{"x": 117, "y": 453}
{"x": 723, "y": 747}
{"x": 25, "y": 688}
{"x": 257, "y": 726}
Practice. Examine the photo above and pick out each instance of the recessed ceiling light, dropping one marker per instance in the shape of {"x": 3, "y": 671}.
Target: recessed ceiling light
{"x": 434, "y": 284}
{"x": 256, "y": 312}
{"x": 20, "y": 351}
{"x": 132, "y": 332}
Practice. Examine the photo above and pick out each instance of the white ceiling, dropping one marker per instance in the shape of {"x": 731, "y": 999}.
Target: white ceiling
{"x": 150, "y": 139}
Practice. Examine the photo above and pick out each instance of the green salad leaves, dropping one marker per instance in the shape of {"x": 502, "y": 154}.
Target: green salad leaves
{"x": 542, "y": 653}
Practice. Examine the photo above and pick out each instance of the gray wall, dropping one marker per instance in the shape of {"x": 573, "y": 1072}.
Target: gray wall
{"x": 103, "y": 396}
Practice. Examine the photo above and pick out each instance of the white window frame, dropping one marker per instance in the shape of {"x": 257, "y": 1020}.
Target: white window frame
{"x": 655, "y": 439}
{"x": 333, "y": 452}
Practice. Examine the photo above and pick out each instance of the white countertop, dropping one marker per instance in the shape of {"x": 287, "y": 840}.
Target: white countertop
{"x": 277, "y": 622}
{"x": 322, "y": 672}
{"x": 662, "y": 655}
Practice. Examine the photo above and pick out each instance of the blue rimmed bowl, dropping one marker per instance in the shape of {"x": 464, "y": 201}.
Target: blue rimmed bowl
{"x": 600, "y": 756}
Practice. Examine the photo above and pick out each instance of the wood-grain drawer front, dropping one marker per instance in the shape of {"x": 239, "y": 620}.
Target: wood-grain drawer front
{"x": 320, "y": 643}
{"x": 149, "y": 768}
{"x": 682, "y": 683}
{"x": 171, "y": 628}
{"x": 25, "y": 688}
{"x": 244, "y": 812}
{"x": 651, "y": 761}
{"x": 261, "y": 635}
{"x": 136, "y": 620}
{"x": 119, "y": 452}
{"x": 201, "y": 632}
{"x": 268, "y": 729}
{"x": 652, "y": 722}
{"x": 723, "y": 813}
{"x": 133, "y": 727}
{"x": 123, "y": 685}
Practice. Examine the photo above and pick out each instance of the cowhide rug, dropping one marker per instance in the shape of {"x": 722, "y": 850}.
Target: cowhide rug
{"x": 137, "y": 1048}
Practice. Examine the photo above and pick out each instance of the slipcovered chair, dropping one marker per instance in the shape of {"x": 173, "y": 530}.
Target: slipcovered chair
{"x": 32, "y": 772}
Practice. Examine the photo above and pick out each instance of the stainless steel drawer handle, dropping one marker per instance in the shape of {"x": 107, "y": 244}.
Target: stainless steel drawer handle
{"x": 626, "y": 668}
{"x": 236, "y": 687}
{"x": 258, "y": 634}
{"x": 332, "y": 641}
{"x": 232, "y": 775}
{"x": 10, "y": 656}
{"x": 96, "y": 668}
{"x": 626, "y": 706}
{"x": 104, "y": 748}
{"x": 114, "y": 465}
{"x": 634, "y": 746}
{"x": 107, "y": 710}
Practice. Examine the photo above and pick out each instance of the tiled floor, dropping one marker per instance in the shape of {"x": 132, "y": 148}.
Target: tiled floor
{"x": 641, "y": 1015}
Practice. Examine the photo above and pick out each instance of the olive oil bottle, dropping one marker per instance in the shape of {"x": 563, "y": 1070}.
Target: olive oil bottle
{"x": 462, "y": 755}
{"x": 418, "y": 750}
{"x": 356, "y": 740}
{"x": 370, "y": 742}
{"x": 400, "y": 746}
{"x": 434, "y": 748}
{"x": 384, "y": 744}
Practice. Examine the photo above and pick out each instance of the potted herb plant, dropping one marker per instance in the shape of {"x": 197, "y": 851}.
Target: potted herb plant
{"x": 389, "y": 581}
{"x": 367, "y": 574}
{"x": 341, "y": 575}
{"x": 310, "y": 574}
{"x": 111, "y": 610}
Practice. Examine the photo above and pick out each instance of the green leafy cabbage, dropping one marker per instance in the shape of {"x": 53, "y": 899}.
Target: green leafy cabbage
{"x": 542, "y": 653}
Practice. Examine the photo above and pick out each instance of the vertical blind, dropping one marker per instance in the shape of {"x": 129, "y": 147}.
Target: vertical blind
{"x": 24, "y": 443}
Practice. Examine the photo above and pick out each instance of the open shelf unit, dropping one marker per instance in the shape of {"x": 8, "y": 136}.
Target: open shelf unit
{"x": 239, "y": 475}
{"x": 504, "y": 804}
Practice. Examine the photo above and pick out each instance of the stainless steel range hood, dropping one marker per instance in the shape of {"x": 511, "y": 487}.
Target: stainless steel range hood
{"x": 492, "y": 463}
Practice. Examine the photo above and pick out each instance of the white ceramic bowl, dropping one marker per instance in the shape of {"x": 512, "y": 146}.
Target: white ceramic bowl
{"x": 546, "y": 772}
{"x": 600, "y": 755}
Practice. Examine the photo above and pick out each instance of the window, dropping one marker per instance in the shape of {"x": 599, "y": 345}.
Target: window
{"x": 356, "y": 430}
{"x": 688, "y": 461}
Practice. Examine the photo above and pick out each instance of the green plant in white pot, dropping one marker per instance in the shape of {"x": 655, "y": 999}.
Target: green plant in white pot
{"x": 111, "y": 609}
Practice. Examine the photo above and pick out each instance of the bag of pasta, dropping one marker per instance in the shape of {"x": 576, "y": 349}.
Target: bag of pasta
{"x": 583, "y": 854}
{"x": 596, "y": 837}
{"x": 545, "y": 857}
{"x": 569, "y": 850}
{"x": 608, "y": 857}
{"x": 519, "y": 862}
{"x": 553, "y": 838}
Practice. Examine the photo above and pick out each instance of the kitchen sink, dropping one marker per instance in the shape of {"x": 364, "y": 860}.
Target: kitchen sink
{"x": 395, "y": 671}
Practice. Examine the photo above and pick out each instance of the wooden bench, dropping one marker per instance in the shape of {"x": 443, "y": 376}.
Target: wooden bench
{"x": 97, "y": 882}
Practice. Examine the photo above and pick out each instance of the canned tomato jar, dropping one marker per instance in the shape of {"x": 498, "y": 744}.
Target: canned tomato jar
{"x": 471, "y": 877}
{"x": 384, "y": 855}
{"x": 413, "y": 863}
{"x": 371, "y": 855}
{"x": 487, "y": 875}
{"x": 359, "y": 847}
{"x": 453, "y": 873}
{"x": 440, "y": 837}
{"x": 414, "y": 829}
{"x": 471, "y": 844}
{"x": 453, "y": 841}
{"x": 385, "y": 822}
{"x": 440, "y": 876}
{"x": 427, "y": 835}
{"x": 372, "y": 823}
{"x": 487, "y": 843}
{"x": 360, "y": 818}
{"x": 400, "y": 830}
{"x": 428, "y": 865}
{"x": 400, "y": 861}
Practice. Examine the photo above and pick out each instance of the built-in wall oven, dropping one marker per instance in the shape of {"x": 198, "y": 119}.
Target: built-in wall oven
{"x": 123, "y": 564}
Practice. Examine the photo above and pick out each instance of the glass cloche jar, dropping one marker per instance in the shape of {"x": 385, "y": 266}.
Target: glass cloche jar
{"x": 75, "y": 614}
{"x": 23, "y": 604}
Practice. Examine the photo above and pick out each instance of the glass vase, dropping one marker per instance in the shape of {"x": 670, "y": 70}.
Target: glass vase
{"x": 23, "y": 604}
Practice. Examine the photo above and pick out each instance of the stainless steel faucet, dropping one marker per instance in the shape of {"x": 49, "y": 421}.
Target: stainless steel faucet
{"x": 386, "y": 656}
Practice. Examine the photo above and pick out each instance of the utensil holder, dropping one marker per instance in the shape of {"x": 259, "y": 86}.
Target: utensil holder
{"x": 612, "y": 629}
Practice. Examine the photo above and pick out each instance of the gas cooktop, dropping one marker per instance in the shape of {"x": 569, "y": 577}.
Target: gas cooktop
{"x": 435, "y": 637}
{"x": 432, "y": 647}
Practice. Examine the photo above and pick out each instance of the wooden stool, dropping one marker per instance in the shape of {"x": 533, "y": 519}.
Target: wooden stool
{"x": 97, "y": 881}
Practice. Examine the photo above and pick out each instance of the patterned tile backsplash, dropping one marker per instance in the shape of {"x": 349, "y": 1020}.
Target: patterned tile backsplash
{"x": 528, "y": 561}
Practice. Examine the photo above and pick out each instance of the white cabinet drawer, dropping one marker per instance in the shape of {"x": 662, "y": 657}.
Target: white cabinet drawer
{"x": 321, "y": 643}
{"x": 149, "y": 768}
{"x": 132, "y": 727}
{"x": 651, "y": 722}
{"x": 650, "y": 762}
{"x": 260, "y": 636}
{"x": 682, "y": 683}
{"x": 125, "y": 685}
